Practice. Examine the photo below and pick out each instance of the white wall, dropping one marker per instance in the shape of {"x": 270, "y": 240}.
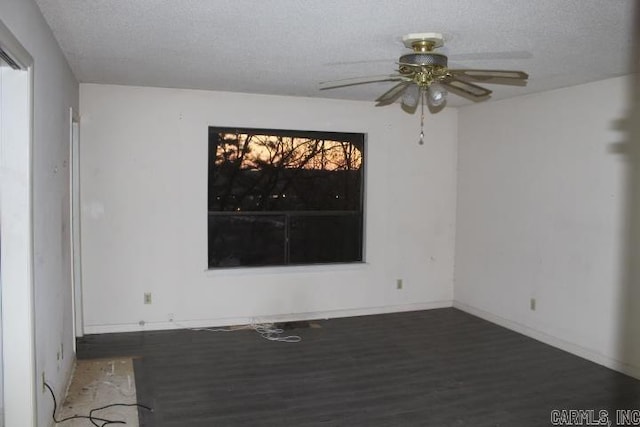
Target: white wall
{"x": 55, "y": 91}
{"x": 541, "y": 210}
{"x": 144, "y": 220}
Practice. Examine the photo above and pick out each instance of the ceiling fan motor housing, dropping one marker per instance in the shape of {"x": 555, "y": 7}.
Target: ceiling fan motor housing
{"x": 424, "y": 59}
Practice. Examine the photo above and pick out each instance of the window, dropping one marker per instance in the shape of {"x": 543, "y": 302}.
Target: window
{"x": 280, "y": 197}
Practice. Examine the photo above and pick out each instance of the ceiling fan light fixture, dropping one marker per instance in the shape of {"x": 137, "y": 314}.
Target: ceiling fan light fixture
{"x": 423, "y": 77}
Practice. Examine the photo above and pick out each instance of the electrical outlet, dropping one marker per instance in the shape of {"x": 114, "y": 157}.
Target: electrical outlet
{"x": 532, "y": 304}
{"x": 399, "y": 284}
{"x": 170, "y": 316}
{"x": 147, "y": 297}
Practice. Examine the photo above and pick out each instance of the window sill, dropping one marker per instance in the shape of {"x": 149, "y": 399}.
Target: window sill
{"x": 293, "y": 269}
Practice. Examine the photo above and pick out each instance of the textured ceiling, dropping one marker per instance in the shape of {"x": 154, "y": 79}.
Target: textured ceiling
{"x": 285, "y": 47}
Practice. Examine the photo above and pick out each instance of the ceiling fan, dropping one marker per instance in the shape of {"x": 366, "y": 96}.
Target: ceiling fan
{"x": 423, "y": 77}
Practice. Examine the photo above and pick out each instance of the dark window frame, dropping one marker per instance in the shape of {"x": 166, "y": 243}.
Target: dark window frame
{"x": 356, "y": 140}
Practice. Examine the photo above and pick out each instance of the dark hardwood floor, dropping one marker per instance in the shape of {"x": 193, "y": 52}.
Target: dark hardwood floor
{"x": 426, "y": 368}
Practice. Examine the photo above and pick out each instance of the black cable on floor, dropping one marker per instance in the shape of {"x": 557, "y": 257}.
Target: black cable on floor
{"x": 94, "y": 420}
{"x": 114, "y": 405}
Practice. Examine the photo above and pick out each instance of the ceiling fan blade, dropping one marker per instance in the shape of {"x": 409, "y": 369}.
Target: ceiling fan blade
{"x": 361, "y": 62}
{"x": 407, "y": 64}
{"x": 485, "y": 56}
{"x": 497, "y": 81}
{"x": 466, "y": 89}
{"x": 392, "y": 94}
{"x": 332, "y": 84}
{"x": 487, "y": 75}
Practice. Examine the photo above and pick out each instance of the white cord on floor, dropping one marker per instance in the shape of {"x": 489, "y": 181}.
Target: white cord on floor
{"x": 266, "y": 331}
{"x": 271, "y": 333}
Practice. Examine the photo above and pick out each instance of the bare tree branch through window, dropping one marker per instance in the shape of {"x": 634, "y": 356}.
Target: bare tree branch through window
{"x": 286, "y": 191}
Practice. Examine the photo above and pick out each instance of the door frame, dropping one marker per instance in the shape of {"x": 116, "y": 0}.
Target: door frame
{"x": 16, "y": 248}
{"x": 75, "y": 214}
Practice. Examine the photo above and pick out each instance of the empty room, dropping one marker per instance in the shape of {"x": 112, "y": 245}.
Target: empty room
{"x": 319, "y": 213}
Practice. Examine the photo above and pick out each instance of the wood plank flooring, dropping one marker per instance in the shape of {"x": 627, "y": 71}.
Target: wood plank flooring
{"x": 425, "y": 368}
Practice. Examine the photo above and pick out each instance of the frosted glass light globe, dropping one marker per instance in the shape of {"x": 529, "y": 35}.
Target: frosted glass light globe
{"x": 436, "y": 95}
{"x": 411, "y": 97}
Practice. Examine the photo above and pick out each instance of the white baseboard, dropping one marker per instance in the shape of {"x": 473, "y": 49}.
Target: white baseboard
{"x": 228, "y": 321}
{"x": 585, "y": 353}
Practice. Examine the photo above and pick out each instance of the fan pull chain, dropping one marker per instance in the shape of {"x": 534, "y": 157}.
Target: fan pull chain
{"x": 422, "y": 95}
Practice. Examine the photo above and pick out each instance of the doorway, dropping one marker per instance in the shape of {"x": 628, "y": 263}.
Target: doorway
{"x": 16, "y": 231}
